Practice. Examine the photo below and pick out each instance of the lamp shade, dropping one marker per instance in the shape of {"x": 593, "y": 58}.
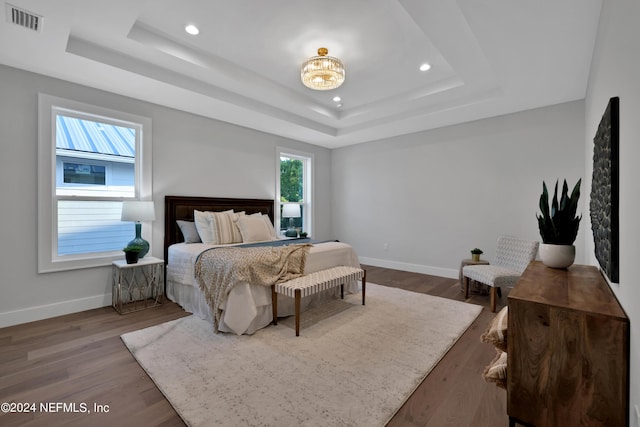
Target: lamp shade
{"x": 138, "y": 210}
{"x": 291, "y": 210}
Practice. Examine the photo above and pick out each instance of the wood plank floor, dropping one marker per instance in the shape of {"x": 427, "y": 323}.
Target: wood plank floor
{"x": 80, "y": 359}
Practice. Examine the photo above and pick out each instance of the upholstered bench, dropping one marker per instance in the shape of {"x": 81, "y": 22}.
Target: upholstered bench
{"x": 313, "y": 283}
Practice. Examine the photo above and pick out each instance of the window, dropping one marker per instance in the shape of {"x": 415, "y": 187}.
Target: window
{"x": 82, "y": 173}
{"x": 90, "y": 159}
{"x": 294, "y": 187}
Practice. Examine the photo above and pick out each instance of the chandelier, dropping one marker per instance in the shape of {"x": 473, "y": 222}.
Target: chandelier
{"x": 322, "y": 72}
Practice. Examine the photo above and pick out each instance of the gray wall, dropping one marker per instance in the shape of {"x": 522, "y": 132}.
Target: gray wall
{"x": 614, "y": 72}
{"x": 433, "y": 196}
{"x": 192, "y": 155}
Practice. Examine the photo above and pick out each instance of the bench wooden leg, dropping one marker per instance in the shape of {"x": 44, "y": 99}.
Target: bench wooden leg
{"x": 364, "y": 285}
{"x": 297, "y": 294}
{"x": 274, "y": 304}
{"x": 296, "y": 286}
{"x": 466, "y": 287}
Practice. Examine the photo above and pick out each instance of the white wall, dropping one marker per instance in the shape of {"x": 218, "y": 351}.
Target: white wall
{"x": 615, "y": 71}
{"x": 192, "y": 155}
{"x": 433, "y": 196}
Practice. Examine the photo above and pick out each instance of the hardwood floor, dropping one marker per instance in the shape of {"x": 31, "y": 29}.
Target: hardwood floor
{"x": 454, "y": 393}
{"x": 80, "y": 359}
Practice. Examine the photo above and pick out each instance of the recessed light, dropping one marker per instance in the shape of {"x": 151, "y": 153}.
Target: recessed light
{"x": 337, "y": 99}
{"x": 192, "y": 29}
{"x": 425, "y": 67}
{"x": 339, "y": 105}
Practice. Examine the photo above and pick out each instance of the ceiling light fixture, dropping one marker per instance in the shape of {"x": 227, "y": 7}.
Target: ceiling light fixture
{"x": 322, "y": 72}
{"x": 425, "y": 67}
{"x": 192, "y": 29}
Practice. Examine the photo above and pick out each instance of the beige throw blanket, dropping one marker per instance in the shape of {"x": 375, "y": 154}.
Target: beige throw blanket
{"x": 218, "y": 270}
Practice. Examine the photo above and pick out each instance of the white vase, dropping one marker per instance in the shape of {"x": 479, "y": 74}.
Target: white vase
{"x": 557, "y": 256}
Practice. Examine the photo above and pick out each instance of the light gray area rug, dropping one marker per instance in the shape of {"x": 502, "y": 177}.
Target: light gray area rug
{"x": 354, "y": 368}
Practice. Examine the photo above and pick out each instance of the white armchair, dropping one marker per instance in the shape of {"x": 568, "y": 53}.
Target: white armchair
{"x": 512, "y": 257}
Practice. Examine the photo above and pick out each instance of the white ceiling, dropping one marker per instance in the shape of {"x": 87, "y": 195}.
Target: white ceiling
{"x": 488, "y": 57}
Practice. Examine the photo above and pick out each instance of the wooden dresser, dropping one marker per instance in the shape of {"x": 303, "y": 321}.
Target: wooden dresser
{"x": 567, "y": 350}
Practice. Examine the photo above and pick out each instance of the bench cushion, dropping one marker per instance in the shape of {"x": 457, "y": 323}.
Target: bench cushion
{"x": 319, "y": 281}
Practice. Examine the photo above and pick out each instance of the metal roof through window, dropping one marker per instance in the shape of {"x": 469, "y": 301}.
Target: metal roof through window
{"x": 94, "y": 137}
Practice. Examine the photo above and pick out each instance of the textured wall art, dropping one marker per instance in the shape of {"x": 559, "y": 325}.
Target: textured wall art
{"x": 604, "y": 191}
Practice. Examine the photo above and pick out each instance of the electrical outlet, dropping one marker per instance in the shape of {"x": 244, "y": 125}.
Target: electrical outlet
{"x": 637, "y": 416}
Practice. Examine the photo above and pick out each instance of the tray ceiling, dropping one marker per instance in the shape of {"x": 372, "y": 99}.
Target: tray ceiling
{"x": 487, "y": 58}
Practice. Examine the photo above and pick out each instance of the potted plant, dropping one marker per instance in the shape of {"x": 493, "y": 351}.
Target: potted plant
{"x": 475, "y": 254}
{"x": 303, "y": 235}
{"x": 131, "y": 253}
{"x": 559, "y": 226}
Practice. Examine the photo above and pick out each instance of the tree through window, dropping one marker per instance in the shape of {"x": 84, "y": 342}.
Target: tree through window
{"x": 295, "y": 188}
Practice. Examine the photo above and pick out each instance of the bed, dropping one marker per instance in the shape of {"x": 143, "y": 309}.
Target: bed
{"x": 247, "y": 306}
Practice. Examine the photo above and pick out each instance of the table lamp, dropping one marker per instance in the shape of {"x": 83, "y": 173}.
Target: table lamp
{"x": 138, "y": 211}
{"x": 291, "y": 210}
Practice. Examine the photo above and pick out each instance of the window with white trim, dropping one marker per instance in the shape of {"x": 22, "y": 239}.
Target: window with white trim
{"x": 294, "y": 187}
{"x": 90, "y": 159}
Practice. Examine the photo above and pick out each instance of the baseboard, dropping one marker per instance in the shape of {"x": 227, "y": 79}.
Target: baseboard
{"x": 31, "y": 314}
{"x": 414, "y": 268}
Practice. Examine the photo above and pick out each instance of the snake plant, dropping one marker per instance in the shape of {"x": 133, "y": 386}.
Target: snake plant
{"x": 560, "y": 225}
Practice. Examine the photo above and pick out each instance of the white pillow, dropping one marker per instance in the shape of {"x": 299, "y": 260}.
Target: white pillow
{"x": 267, "y": 221}
{"x": 213, "y": 227}
{"x": 224, "y": 228}
{"x": 203, "y": 225}
{"x": 254, "y": 229}
{"x": 270, "y": 227}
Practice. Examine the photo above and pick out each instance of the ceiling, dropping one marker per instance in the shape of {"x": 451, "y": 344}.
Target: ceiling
{"x": 487, "y": 57}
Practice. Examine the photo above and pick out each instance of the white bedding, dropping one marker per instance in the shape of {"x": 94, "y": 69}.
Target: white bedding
{"x": 248, "y": 307}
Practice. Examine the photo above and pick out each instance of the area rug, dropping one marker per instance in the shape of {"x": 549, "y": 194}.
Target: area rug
{"x": 353, "y": 368}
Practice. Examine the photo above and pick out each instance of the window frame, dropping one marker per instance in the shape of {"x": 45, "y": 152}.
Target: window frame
{"x": 48, "y": 107}
{"x": 308, "y": 191}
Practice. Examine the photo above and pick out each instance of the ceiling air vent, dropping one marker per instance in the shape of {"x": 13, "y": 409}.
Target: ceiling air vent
{"x": 23, "y": 18}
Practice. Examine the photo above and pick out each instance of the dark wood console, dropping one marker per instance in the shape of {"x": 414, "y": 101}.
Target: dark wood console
{"x": 568, "y": 350}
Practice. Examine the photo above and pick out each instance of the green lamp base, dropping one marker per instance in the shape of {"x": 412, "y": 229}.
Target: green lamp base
{"x": 140, "y": 241}
{"x": 291, "y": 232}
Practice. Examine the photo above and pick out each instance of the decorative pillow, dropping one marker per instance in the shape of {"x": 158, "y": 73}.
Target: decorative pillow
{"x": 212, "y": 231}
{"x": 254, "y": 229}
{"x": 203, "y": 225}
{"x": 496, "y": 372}
{"x": 189, "y": 231}
{"x": 224, "y": 228}
{"x": 496, "y": 333}
{"x": 267, "y": 221}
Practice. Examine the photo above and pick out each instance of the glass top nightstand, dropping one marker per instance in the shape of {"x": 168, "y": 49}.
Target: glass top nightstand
{"x": 137, "y": 286}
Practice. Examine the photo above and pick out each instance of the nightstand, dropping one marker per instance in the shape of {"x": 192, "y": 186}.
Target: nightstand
{"x": 137, "y": 286}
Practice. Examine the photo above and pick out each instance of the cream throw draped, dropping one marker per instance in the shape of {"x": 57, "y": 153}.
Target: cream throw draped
{"x": 220, "y": 269}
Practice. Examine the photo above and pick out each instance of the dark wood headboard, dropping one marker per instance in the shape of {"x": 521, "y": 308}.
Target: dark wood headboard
{"x": 182, "y": 207}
